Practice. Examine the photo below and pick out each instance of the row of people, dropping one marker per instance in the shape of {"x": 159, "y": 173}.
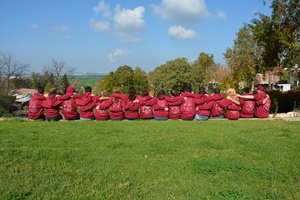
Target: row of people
{"x": 186, "y": 105}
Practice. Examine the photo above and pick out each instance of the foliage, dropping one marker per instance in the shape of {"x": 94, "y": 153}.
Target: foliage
{"x": 150, "y": 160}
{"x": 124, "y": 78}
{"x": 174, "y": 75}
{"x": 286, "y": 102}
{"x": 6, "y": 102}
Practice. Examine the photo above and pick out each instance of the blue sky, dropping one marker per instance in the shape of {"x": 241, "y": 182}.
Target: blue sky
{"x": 99, "y": 36}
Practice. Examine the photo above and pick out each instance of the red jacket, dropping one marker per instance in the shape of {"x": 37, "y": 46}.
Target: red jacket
{"x": 248, "y": 107}
{"x": 101, "y": 112}
{"x": 36, "y": 109}
{"x": 69, "y": 107}
{"x": 188, "y": 108}
{"x": 131, "y": 109}
{"x": 146, "y": 103}
{"x": 51, "y": 105}
{"x": 160, "y": 107}
{"x": 262, "y": 110}
{"x": 86, "y": 103}
{"x": 174, "y": 106}
{"x": 232, "y": 111}
{"x": 116, "y": 108}
{"x": 216, "y": 110}
{"x": 204, "y": 109}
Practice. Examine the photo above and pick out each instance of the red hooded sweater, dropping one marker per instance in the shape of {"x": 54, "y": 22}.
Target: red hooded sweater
{"x": 188, "y": 108}
{"x": 160, "y": 107}
{"x": 146, "y": 103}
{"x": 248, "y": 107}
{"x": 232, "y": 111}
{"x": 86, "y": 103}
{"x": 36, "y": 109}
{"x": 262, "y": 110}
{"x": 216, "y": 110}
{"x": 69, "y": 107}
{"x": 174, "y": 103}
{"x": 116, "y": 108}
{"x": 102, "y": 112}
{"x": 51, "y": 105}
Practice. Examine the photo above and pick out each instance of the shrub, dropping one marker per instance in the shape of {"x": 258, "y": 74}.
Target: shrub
{"x": 284, "y": 102}
{"x": 6, "y": 105}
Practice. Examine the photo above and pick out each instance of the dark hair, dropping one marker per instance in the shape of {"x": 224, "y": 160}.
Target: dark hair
{"x": 161, "y": 92}
{"x": 246, "y": 90}
{"x": 52, "y": 92}
{"x": 88, "y": 89}
{"x": 202, "y": 90}
{"x": 216, "y": 90}
{"x": 40, "y": 89}
{"x": 174, "y": 93}
{"x": 188, "y": 89}
{"x": 131, "y": 93}
{"x": 145, "y": 93}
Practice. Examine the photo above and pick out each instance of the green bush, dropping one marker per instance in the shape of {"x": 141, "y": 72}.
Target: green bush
{"x": 6, "y": 105}
{"x": 284, "y": 102}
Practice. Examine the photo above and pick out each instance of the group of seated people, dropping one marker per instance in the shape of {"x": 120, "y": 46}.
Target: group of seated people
{"x": 186, "y": 105}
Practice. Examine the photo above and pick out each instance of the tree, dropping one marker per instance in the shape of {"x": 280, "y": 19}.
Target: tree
{"x": 10, "y": 68}
{"x": 58, "y": 69}
{"x": 174, "y": 75}
{"x": 243, "y": 58}
{"x": 65, "y": 81}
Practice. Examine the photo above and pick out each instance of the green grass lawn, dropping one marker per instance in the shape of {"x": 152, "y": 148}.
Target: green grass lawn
{"x": 150, "y": 160}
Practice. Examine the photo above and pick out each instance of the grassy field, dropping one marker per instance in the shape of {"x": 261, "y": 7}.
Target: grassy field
{"x": 150, "y": 160}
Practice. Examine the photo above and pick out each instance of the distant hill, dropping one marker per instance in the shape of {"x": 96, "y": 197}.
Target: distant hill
{"x": 87, "y": 79}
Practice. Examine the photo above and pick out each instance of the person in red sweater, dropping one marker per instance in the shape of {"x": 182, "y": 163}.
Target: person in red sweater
{"x": 174, "y": 102}
{"x": 203, "y": 107}
{"x": 51, "y": 105}
{"x": 188, "y": 108}
{"x": 87, "y": 103}
{"x": 248, "y": 105}
{"x": 36, "y": 110}
{"x": 160, "y": 106}
{"x": 216, "y": 110}
{"x": 132, "y": 106}
{"x": 146, "y": 103}
{"x": 116, "y": 109}
{"x": 101, "y": 112}
{"x": 69, "y": 107}
{"x": 232, "y": 105}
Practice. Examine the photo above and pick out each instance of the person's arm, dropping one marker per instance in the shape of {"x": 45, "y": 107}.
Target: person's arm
{"x": 245, "y": 96}
{"x": 233, "y": 100}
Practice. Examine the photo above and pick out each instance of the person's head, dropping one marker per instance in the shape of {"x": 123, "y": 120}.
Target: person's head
{"x": 40, "y": 90}
{"x": 260, "y": 88}
{"x": 52, "y": 92}
{"x": 145, "y": 93}
{"x": 70, "y": 90}
{"x": 188, "y": 89}
{"x": 202, "y": 90}
{"x": 231, "y": 92}
{"x": 88, "y": 89}
{"x": 174, "y": 93}
{"x": 117, "y": 90}
{"x": 131, "y": 93}
{"x": 246, "y": 90}
{"x": 161, "y": 93}
{"x": 103, "y": 93}
{"x": 217, "y": 91}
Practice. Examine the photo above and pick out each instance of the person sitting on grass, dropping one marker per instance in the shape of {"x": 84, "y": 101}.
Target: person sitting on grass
{"x": 132, "y": 106}
{"x": 174, "y": 102}
{"x": 69, "y": 107}
{"x": 248, "y": 105}
{"x": 216, "y": 110}
{"x": 117, "y": 106}
{"x": 51, "y": 105}
{"x": 36, "y": 110}
{"x": 86, "y": 103}
{"x": 203, "y": 109}
{"x": 146, "y": 103}
{"x": 160, "y": 106}
{"x": 101, "y": 112}
{"x": 232, "y": 105}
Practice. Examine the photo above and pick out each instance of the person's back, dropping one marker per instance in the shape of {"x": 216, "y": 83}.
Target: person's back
{"x": 174, "y": 103}
{"x": 132, "y": 105}
{"x": 160, "y": 106}
{"x": 36, "y": 110}
{"x": 117, "y": 106}
{"x": 263, "y": 103}
{"x": 216, "y": 110}
{"x": 203, "y": 106}
{"x": 146, "y": 103}
{"x": 101, "y": 112}
{"x": 87, "y": 103}
{"x": 51, "y": 105}
{"x": 69, "y": 107}
{"x": 248, "y": 105}
{"x": 188, "y": 108}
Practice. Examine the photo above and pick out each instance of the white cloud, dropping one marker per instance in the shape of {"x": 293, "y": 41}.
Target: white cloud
{"x": 61, "y": 28}
{"x": 222, "y": 15}
{"x": 68, "y": 37}
{"x": 35, "y": 26}
{"x": 112, "y": 57}
{"x": 181, "y": 33}
{"x": 103, "y": 8}
{"x": 99, "y": 25}
{"x": 129, "y": 21}
{"x": 182, "y": 10}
